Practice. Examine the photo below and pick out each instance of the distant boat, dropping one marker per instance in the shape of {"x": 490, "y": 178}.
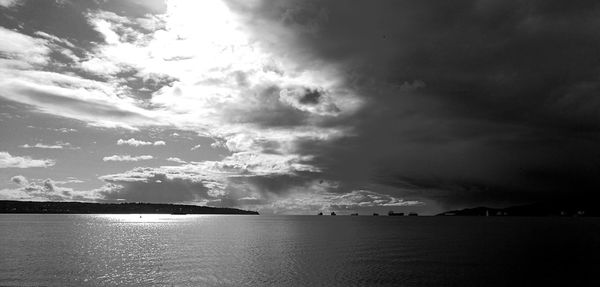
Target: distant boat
{"x": 354, "y": 214}
{"x": 333, "y": 213}
{"x": 320, "y": 213}
{"x": 178, "y": 213}
{"x": 375, "y": 214}
{"x": 392, "y": 213}
{"x": 413, "y": 214}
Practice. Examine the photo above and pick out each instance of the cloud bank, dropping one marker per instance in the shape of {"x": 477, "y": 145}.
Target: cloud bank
{"x": 386, "y": 103}
{"x": 9, "y": 161}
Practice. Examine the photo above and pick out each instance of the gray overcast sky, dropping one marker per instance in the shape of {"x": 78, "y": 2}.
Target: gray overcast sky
{"x": 301, "y": 106}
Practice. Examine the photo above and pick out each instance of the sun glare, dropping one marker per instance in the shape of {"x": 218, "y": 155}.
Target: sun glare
{"x": 153, "y": 218}
{"x": 203, "y": 31}
{"x": 138, "y": 218}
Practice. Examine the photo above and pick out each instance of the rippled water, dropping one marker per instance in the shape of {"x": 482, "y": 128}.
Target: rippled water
{"x": 233, "y": 250}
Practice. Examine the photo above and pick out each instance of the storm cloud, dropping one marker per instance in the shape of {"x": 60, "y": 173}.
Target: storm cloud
{"x": 467, "y": 102}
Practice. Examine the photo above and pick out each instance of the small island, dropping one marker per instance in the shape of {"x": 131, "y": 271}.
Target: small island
{"x": 14, "y": 206}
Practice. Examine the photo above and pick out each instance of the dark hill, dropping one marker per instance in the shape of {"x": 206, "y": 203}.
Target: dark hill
{"x": 11, "y": 206}
{"x": 536, "y": 209}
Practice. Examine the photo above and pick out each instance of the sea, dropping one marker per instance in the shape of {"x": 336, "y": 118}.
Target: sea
{"x": 247, "y": 250}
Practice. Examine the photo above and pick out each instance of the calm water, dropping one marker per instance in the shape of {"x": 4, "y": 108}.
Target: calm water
{"x": 221, "y": 250}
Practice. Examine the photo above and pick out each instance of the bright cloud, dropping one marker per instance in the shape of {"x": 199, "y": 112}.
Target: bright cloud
{"x": 64, "y": 130}
{"x": 219, "y": 70}
{"x": 47, "y": 189}
{"x": 127, "y": 158}
{"x": 132, "y": 142}
{"x": 136, "y": 143}
{"x": 40, "y": 145}
{"x": 100, "y": 66}
{"x": 176, "y": 159}
{"x": 58, "y": 145}
{"x": 9, "y": 161}
{"x": 97, "y": 103}
{"x": 9, "y": 3}
{"x": 21, "y": 51}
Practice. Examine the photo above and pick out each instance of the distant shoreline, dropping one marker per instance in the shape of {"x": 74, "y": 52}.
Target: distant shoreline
{"x": 560, "y": 209}
{"x": 72, "y": 207}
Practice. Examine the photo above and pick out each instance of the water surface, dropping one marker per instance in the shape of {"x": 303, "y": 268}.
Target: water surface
{"x": 236, "y": 250}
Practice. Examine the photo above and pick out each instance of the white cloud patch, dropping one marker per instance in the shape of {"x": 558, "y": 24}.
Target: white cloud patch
{"x": 64, "y": 130}
{"x": 54, "y": 39}
{"x": 43, "y": 146}
{"x": 100, "y": 66}
{"x": 219, "y": 144}
{"x": 21, "y": 51}
{"x": 137, "y": 143}
{"x": 127, "y": 158}
{"x": 196, "y": 147}
{"x": 47, "y": 189}
{"x": 176, "y": 159}
{"x": 58, "y": 145}
{"x": 97, "y": 103}
{"x": 10, "y": 3}
{"x": 236, "y": 165}
{"x": 9, "y": 161}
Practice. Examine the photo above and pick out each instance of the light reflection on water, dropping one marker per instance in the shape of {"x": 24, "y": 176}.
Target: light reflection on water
{"x": 234, "y": 250}
{"x": 150, "y": 218}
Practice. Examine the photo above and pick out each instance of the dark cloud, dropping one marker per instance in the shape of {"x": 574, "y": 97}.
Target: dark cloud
{"x": 275, "y": 185}
{"x": 267, "y": 110}
{"x": 157, "y": 188}
{"x": 466, "y": 102}
{"x": 310, "y": 97}
{"x": 247, "y": 190}
{"x": 49, "y": 185}
{"x": 19, "y": 179}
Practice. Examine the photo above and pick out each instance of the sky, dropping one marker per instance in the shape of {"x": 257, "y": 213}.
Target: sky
{"x": 296, "y": 107}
